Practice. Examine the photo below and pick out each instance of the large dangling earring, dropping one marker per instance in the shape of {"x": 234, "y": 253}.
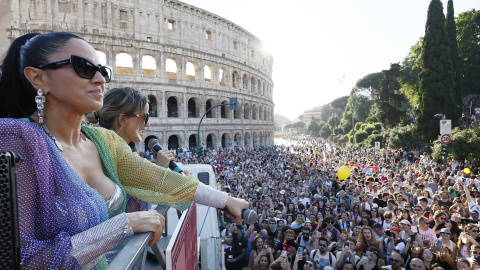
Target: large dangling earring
{"x": 40, "y": 100}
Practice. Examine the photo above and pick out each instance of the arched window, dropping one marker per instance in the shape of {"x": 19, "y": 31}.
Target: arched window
{"x": 124, "y": 64}
{"x": 173, "y": 142}
{"x": 192, "y": 71}
{"x": 223, "y": 110}
{"x": 253, "y": 84}
{"x": 102, "y": 57}
{"x": 208, "y": 73}
{"x": 192, "y": 108}
{"x": 245, "y": 81}
{"x": 152, "y": 102}
{"x": 246, "y": 111}
{"x": 222, "y": 76}
{"x": 171, "y": 68}
{"x": 210, "y": 141}
{"x": 254, "y": 112}
{"x": 235, "y": 79}
{"x": 247, "y": 139}
{"x": 225, "y": 139}
{"x": 149, "y": 66}
{"x": 172, "y": 107}
{"x": 208, "y": 106}
{"x": 192, "y": 142}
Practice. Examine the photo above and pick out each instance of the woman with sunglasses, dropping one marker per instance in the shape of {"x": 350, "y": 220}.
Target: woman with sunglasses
{"x": 467, "y": 239}
{"x": 74, "y": 179}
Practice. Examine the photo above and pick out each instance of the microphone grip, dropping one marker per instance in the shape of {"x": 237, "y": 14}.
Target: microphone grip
{"x": 172, "y": 165}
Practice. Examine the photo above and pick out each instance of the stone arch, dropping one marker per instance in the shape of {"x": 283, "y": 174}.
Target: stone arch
{"x": 235, "y": 79}
{"x": 193, "y": 111}
{"x": 254, "y": 112}
{"x": 102, "y": 57}
{"x": 153, "y": 107}
{"x": 211, "y": 141}
{"x": 208, "y": 105}
{"x": 223, "y": 76}
{"x": 192, "y": 141}
{"x": 237, "y": 112}
{"x": 172, "y": 107}
{"x": 171, "y": 68}
{"x": 238, "y": 138}
{"x": 124, "y": 63}
{"x": 225, "y": 139}
{"x": 261, "y": 138}
{"x": 246, "y": 111}
{"x": 247, "y": 140}
{"x": 254, "y": 139}
{"x": 208, "y": 73}
{"x": 192, "y": 71}
{"x": 264, "y": 91}
{"x": 245, "y": 81}
{"x": 252, "y": 84}
{"x": 149, "y": 66}
{"x": 173, "y": 142}
{"x": 259, "y": 86}
{"x": 224, "y": 110}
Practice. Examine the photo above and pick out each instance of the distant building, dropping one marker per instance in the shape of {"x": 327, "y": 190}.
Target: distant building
{"x": 309, "y": 115}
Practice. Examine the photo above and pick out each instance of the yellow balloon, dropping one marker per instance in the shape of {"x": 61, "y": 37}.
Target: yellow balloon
{"x": 466, "y": 170}
{"x": 343, "y": 173}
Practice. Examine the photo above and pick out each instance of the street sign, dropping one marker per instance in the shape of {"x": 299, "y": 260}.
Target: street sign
{"x": 446, "y": 139}
{"x": 233, "y": 103}
{"x": 377, "y": 145}
{"x": 445, "y": 126}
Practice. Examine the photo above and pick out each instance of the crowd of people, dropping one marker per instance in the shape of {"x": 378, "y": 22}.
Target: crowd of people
{"x": 398, "y": 208}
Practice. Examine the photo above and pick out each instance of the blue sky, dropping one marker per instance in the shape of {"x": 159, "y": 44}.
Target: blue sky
{"x": 316, "y": 43}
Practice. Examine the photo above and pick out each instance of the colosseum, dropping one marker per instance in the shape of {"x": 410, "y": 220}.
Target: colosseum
{"x": 185, "y": 59}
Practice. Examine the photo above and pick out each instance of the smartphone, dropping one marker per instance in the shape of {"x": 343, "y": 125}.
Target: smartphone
{"x": 300, "y": 251}
{"x": 264, "y": 246}
{"x": 477, "y": 259}
{"x": 284, "y": 254}
{"x": 439, "y": 243}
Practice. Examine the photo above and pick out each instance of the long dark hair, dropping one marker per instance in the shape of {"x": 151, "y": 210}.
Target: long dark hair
{"x": 30, "y": 50}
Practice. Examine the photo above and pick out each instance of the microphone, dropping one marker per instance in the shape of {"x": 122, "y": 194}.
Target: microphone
{"x": 154, "y": 146}
{"x": 249, "y": 216}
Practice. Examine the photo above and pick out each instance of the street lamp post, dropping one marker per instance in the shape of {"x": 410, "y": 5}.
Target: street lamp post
{"x": 353, "y": 119}
{"x": 233, "y": 106}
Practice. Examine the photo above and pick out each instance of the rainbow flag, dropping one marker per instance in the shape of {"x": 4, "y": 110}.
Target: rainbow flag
{"x": 321, "y": 156}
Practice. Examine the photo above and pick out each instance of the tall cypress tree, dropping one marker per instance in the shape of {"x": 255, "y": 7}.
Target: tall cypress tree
{"x": 454, "y": 57}
{"x": 436, "y": 78}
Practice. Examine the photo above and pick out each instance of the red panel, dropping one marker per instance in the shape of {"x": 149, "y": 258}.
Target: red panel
{"x": 184, "y": 254}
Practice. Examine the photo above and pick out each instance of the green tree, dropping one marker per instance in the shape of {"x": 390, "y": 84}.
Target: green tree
{"x": 436, "y": 78}
{"x": 333, "y": 121}
{"x": 409, "y": 71}
{"x": 299, "y": 124}
{"x": 328, "y": 111}
{"x": 389, "y": 99}
{"x": 468, "y": 36}
{"x": 325, "y": 130}
{"x": 361, "y": 107}
{"x": 313, "y": 128}
{"x": 454, "y": 58}
{"x": 370, "y": 82}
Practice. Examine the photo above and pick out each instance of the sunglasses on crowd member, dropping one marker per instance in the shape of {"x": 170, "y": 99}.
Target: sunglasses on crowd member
{"x": 394, "y": 260}
{"x": 83, "y": 67}
{"x": 147, "y": 115}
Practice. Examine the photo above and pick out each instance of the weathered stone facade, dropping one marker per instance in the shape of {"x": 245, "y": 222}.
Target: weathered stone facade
{"x": 196, "y": 60}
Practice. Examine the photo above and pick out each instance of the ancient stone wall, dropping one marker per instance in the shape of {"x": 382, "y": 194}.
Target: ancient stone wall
{"x": 185, "y": 59}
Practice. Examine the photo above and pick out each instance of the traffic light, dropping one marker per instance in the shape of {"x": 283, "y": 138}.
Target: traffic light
{"x": 445, "y": 150}
{"x": 199, "y": 151}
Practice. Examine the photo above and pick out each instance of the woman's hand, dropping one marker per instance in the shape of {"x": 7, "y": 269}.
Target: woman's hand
{"x": 147, "y": 221}
{"x": 235, "y": 206}
{"x": 164, "y": 157}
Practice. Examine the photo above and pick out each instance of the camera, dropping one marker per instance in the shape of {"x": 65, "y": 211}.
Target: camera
{"x": 389, "y": 233}
{"x": 264, "y": 246}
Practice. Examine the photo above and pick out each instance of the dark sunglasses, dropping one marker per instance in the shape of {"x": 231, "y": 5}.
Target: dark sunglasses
{"x": 83, "y": 67}
{"x": 309, "y": 264}
{"x": 147, "y": 115}
{"x": 394, "y": 260}
{"x": 329, "y": 222}
{"x": 322, "y": 245}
